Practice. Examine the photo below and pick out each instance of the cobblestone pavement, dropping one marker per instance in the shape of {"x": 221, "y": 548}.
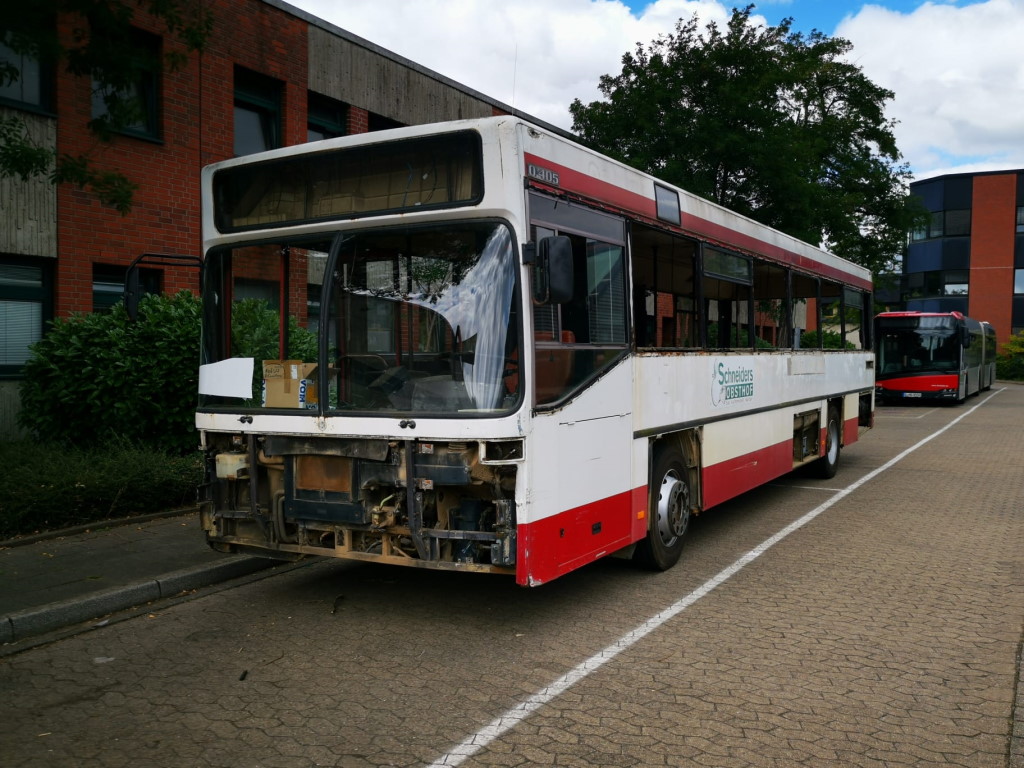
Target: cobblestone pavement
{"x": 885, "y": 632}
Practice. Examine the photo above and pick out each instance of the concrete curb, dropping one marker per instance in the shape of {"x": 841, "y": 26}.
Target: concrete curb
{"x": 47, "y": 618}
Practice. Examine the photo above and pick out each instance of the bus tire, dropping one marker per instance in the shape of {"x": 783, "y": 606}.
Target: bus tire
{"x": 828, "y": 464}
{"x": 669, "y": 512}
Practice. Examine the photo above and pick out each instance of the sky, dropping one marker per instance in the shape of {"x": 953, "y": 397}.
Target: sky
{"x": 956, "y": 67}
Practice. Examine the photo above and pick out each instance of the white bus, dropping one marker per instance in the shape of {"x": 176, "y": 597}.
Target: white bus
{"x": 479, "y": 346}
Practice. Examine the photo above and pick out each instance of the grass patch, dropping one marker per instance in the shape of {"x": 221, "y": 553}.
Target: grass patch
{"x": 50, "y": 486}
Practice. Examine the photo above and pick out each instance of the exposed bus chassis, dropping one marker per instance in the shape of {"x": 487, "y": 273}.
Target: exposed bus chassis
{"x": 423, "y": 504}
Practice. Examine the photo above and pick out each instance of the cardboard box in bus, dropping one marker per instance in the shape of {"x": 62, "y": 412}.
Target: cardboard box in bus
{"x": 289, "y": 384}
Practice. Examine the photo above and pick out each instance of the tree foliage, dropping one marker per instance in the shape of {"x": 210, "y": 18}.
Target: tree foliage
{"x": 101, "y": 51}
{"x": 771, "y": 123}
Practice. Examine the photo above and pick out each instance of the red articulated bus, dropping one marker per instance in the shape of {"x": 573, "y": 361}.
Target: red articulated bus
{"x": 944, "y": 356}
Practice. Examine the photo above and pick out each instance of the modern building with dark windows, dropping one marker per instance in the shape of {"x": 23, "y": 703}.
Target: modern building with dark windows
{"x": 970, "y": 256}
{"x": 270, "y": 75}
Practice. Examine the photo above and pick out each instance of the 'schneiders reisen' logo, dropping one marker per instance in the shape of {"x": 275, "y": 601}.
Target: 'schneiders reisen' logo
{"x": 731, "y": 382}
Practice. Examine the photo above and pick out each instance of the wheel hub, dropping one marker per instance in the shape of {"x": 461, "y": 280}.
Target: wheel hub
{"x": 673, "y": 508}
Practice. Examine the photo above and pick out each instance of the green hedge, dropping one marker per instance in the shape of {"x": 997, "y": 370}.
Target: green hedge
{"x": 1010, "y": 367}
{"x": 47, "y": 486}
{"x": 98, "y": 377}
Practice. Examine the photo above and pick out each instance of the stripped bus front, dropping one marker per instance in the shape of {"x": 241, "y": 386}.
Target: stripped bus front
{"x": 479, "y": 346}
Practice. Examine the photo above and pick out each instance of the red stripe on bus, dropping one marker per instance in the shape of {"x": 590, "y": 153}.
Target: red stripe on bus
{"x": 605, "y": 192}
{"x": 851, "y": 431}
{"x": 558, "y": 544}
{"x": 730, "y": 478}
{"x": 924, "y": 383}
{"x": 569, "y": 179}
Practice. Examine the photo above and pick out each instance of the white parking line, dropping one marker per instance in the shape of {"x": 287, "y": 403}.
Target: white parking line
{"x": 510, "y": 719}
{"x": 804, "y": 487}
{"x": 899, "y": 412}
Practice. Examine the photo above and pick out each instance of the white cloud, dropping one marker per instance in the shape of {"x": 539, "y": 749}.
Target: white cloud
{"x": 958, "y": 78}
{"x": 956, "y": 71}
{"x": 535, "y": 55}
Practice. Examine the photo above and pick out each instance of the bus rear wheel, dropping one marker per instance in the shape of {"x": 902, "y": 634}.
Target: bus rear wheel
{"x": 669, "y": 512}
{"x": 828, "y": 464}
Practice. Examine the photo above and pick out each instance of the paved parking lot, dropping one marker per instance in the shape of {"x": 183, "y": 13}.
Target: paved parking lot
{"x": 874, "y": 619}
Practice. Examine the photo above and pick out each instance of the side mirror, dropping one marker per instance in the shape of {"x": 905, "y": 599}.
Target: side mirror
{"x": 552, "y": 273}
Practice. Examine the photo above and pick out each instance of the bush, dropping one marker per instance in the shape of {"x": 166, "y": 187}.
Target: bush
{"x": 739, "y": 338}
{"x": 46, "y": 486}
{"x": 1010, "y": 367}
{"x": 1010, "y": 364}
{"x": 832, "y": 340}
{"x": 97, "y": 377}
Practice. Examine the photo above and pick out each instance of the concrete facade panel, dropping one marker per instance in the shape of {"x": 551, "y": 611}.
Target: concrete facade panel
{"x": 29, "y": 208}
{"x": 349, "y": 72}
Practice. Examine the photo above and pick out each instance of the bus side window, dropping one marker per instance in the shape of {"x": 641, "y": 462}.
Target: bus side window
{"x": 772, "y": 308}
{"x": 572, "y": 339}
{"x": 853, "y": 318}
{"x": 728, "y": 309}
{"x": 804, "y": 290}
{"x": 664, "y": 300}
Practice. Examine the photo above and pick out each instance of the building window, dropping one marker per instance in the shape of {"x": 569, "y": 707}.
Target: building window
{"x": 957, "y": 222}
{"x": 257, "y": 112}
{"x": 108, "y": 284}
{"x": 952, "y": 223}
{"x": 1018, "y": 282}
{"x": 31, "y": 86}
{"x": 375, "y": 122}
{"x": 1020, "y": 218}
{"x": 132, "y": 107}
{"x": 25, "y": 307}
{"x": 955, "y": 283}
{"x": 326, "y": 118}
{"x": 932, "y": 285}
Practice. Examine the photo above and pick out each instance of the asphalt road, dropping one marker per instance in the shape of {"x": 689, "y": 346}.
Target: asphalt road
{"x": 874, "y": 619}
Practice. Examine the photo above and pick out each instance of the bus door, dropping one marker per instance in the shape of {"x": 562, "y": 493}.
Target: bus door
{"x": 581, "y": 464}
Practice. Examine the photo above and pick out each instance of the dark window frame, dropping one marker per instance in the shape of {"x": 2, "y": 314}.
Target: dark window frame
{"x": 953, "y": 222}
{"x": 112, "y": 277}
{"x": 41, "y": 294}
{"x": 43, "y": 102}
{"x": 147, "y": 86}
{"x": 262, "y": 96}
{"x": 326, "y": 117}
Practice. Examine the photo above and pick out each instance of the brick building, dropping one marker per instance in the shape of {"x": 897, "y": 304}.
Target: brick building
{"x": 269, "y": 75}
{"x": 970, "y": 257}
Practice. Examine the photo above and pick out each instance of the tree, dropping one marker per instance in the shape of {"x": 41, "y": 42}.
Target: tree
{"x": 769, "y": 122}
{"x": 101, "y": 48}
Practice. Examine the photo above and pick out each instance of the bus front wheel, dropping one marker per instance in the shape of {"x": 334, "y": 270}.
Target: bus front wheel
{"x": 669, "y": 512}
{"x": 826, "y": 466}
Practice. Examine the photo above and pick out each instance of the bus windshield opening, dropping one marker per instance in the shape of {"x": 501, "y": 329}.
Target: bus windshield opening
{"x": 424, "y": 321}
{"x": 419, "y": 321}
{"x": 919, "y": 345}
